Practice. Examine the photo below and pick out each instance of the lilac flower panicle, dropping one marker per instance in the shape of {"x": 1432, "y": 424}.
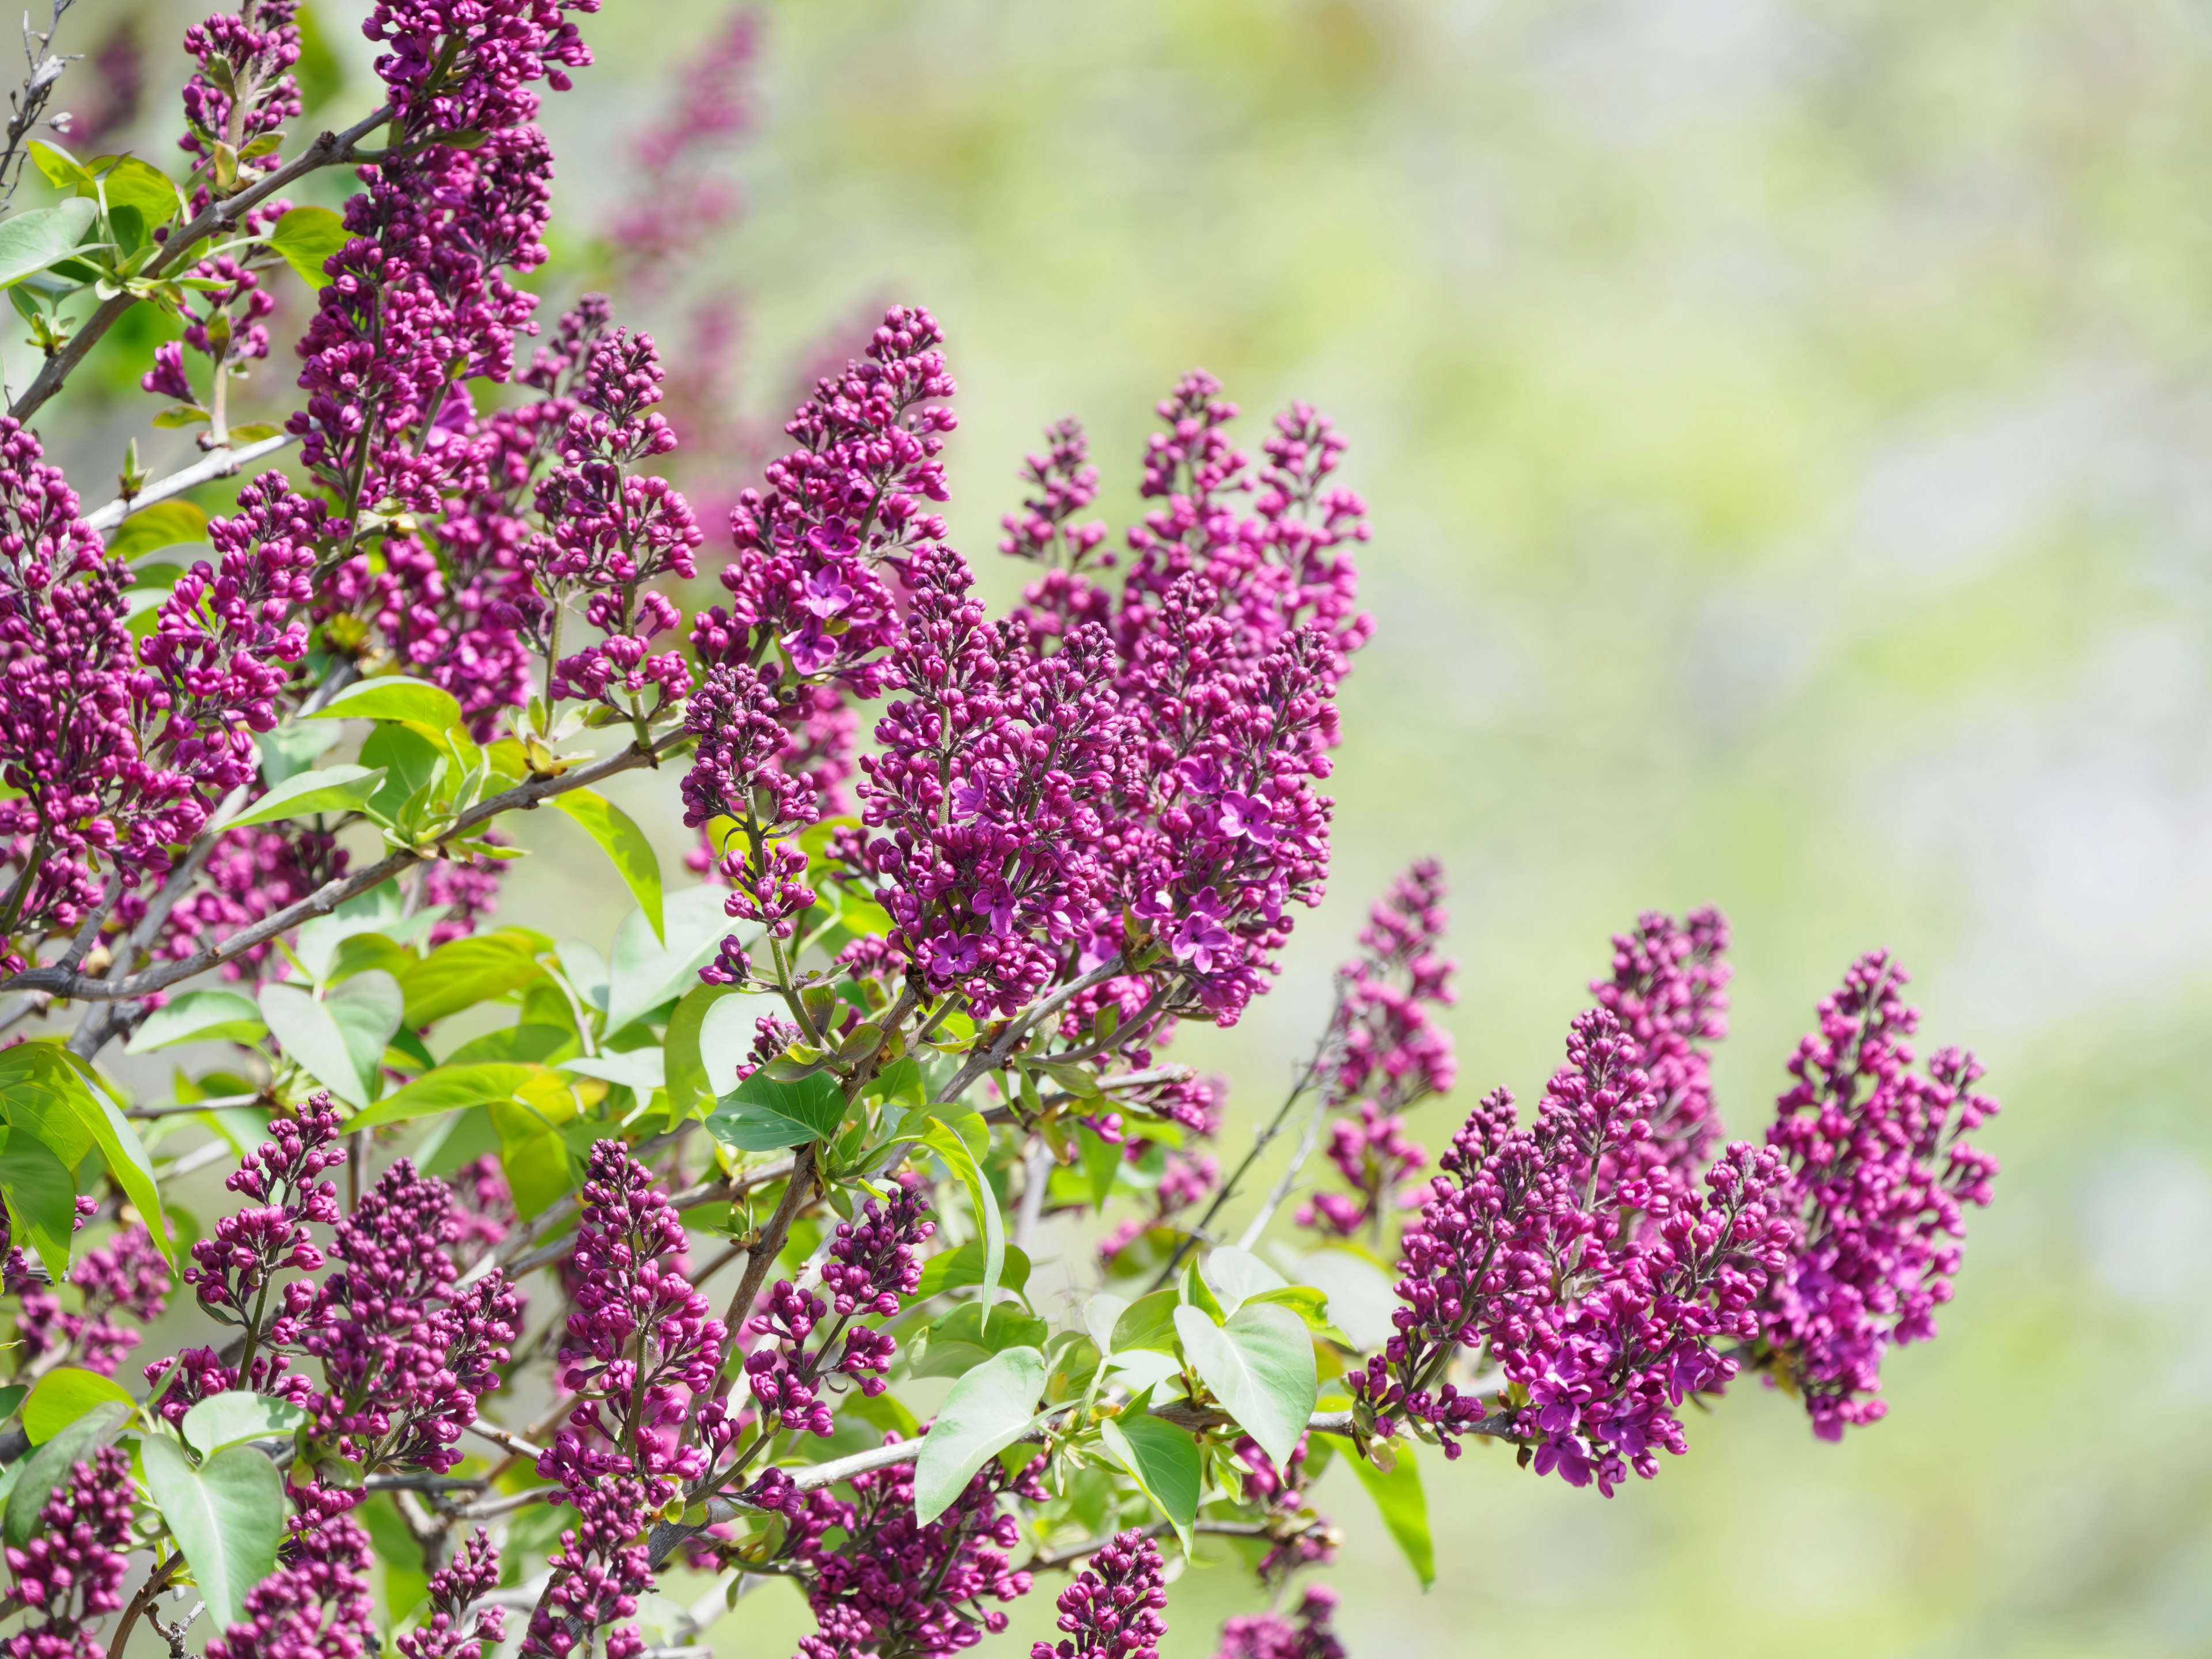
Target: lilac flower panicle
{"x": 246, "y": 1250}
{"x": 1113, "y": 1608}
{"x": 70, "y": 1574}
{"x": 1879, "y": 1179}
{"x": 1270, "y": 1636}
{"x": 461, "y": 1623}
{"x": 1668, "y": 989}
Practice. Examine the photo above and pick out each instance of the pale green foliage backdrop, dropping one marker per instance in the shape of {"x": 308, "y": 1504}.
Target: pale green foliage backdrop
{"x": 1785, "y": 426}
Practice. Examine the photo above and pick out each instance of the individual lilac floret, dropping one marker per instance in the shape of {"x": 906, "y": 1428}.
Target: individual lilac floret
{"x": 462, "y": 1624}
{"x": 1270, "y": 1636}
{"x": 1879, "y": 1180}
{"x": 1669, "y": 991}
{"x": 406, "y": 1360}
{"x": 893, "y": 1587}
{"x": 70, "y": 1574}
{"x": 1113, "y": 1608}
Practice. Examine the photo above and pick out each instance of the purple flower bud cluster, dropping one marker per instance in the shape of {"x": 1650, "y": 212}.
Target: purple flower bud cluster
{"x": 199, "y": 1373}
{"x": 317, "y": 1604}
{"x": 1604, "y": 1301}
{"x": 1063, "y": 482}
{"x": 226, "y": 326}
{"x": 1878, "y": 1181}
{"x": 1113, "y": 1608}
{"x": 894, "y": 1587}
{"x": 457, "y": 1591}
{"x": 641, "y": 1351}
{"x": 1374, "y": 1154}
{"x": 1270, "y": 1636}
{"x": 610, "y": 530}
{"x": 735, "y": 780}
{"x": 234, "y": 1268}
{"x": 126, "y": 1275}
{"x": 463, "y": 66}
{"x": 71, "y": 1573}
{"x": 1669, "y": 991}
{"x": 871, "y": 1265}
{"x": 224, "y": 642}
{"x": 467, "y": 889}
{"x": 406, "y": 1360}
{"x": 679, "y": 199}
{"x": 1387, "y": 1048}
{"x": 1297, "y": 1537}
{"x": 82, "y": 791}
{"x": 244, "y": 89}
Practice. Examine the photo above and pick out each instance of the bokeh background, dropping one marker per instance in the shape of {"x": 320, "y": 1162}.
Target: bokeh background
{"x": 1785, "y": 426}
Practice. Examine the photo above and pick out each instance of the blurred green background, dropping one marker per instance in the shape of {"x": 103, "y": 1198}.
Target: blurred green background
{"x": 1784, "y": 427}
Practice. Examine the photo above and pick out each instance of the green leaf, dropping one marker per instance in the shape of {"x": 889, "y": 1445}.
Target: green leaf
{"x": 199, "y": 1017}
{"x": 1101, "y": 1312}
{"x": 1260, "y": 1366}
{"x": 638, "y": 1070}
{"x": 687, "y": 1081}
{"x": 64, "y": 1395}
{"x": 29, "y": 242}
{"x": 306, "y": 237}
{"x": 132, "y": 183}
{"x": 1235, "y": 1275}
{"x": 463, "y": 972}
{"x": 377, "y": 911}
{"x": 1361, "y": 1302}
{"x": 447, "y": 1089}
{"x": 49, "y": 1467}
{"x": 11, "y": 1399}
{"x": 987, "y": 1411}
{"x": 951, "y": 1142}
{"x": 763, "y": 1115}
{"x": 1148, "y": 1322}
{"x": 646, "y": 969}
{"x": 57, "y": 167}
{"x": 957, "y": 1343}
{"x": 1401, "y": 1504}
{"x": 393, "y": 697}
{"x": 227, "y": 1516}
{"x": 952, "y": 1269}
{"x": 165, "y": 524}
{"x": 236, "y": 1414}
{"x": 42, "y": 1196}
{"x": 1163, "y": 1460}
{"x": 333, "y": 789}
{"x": 367, "y": 1008}
{"x": 623, "y": 843}
{"x": 311, "y": 1035}
{"x": 119, "y": 1143}
{"x": 289, "y": 751}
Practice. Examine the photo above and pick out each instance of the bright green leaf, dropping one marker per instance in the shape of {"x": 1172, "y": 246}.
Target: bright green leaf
{"x": 41, "y": 1197}
{"x": 1148, "y": 1322}
{"x": 638, "y": 1070}
{"x": 463, "y": 972}
{"x": 1260, "y": 1366}
{"x": 333, "y": 789}
{"x": 227, "y": 1516}
{"x": 1361, "y": 1302}
{"x": 62, "y": 1395}
{"x": 119, "y": 1143}
{"x": 236, "y": 1414}
{"x": 950, "y": 1269}
{"x": 1235, "y": 1274}
{"x": 367, "y": 1008}
{"x": 623, "y": 843}
{"x": 199, "y": 1017}
{"x": 687, "y": 1081}
{"x": 29, "y": 242}
{"x": 1164, "y": 1460}
{"x": 958, "y": 1343}
{"x": 165, "y": 524}
{"x": 306, "y": 237}
{"x": 447, "y": 1089}
{"x": 762, "y": 1115}
{"x": 312, "y": 1036}
{"x": 132, "y": 183}
{"x": 392, "y": 697}
{"x": 987, "y": 1411}
{"x": 951, "y": 1142}
{"x": 646, "y": 970}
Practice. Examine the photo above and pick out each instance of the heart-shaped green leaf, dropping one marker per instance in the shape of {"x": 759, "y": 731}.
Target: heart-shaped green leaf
{"x": 227, "y": 1516}
{"x": 1260, "y": 1366}
{"x": 988, "y": 1409}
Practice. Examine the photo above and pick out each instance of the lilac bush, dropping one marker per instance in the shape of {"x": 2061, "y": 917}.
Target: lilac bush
{"x": 553, "y": 1276}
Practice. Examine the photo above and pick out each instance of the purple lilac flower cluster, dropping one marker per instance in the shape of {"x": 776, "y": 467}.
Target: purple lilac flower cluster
{"x": 1878, "y": 1181}
{"x": 71, "y": 1573}
{"x": 406, "y": 1360}
{"x": 126, "y": 1275}
{"x": 1669, "y": 991}
{"x": 1112, "y": 1609}
{"x": 1270, "y": 1636}
{"x": 243, "y": 92}
{"x": 235, "y": 1268}
{"x": 893, "y": 1586}
{"x": 1601, "y": 1324}
{"x": 872, "y": 1266}
{"x": 1296, "y": 1537}
{"x": 461, "y": 1623}
{"x": 251, "y": 874}
{"x": 641, "y": 1351}
{"x": 611, "y": 529}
